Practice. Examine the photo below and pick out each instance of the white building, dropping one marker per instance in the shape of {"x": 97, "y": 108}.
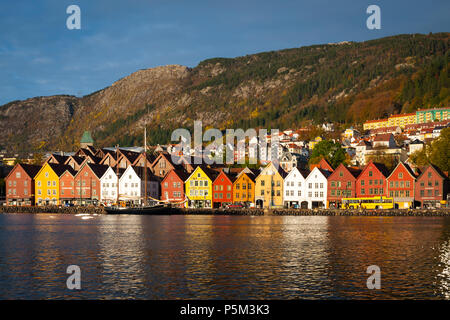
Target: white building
{"x": 294, "y": 188}
{"x": 132, "y": 187}
{"x": 108, "y": 187}
{"x": 316, "y": 188}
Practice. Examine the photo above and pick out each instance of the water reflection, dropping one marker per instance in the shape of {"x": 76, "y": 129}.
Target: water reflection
{"x": 204, "y": 257}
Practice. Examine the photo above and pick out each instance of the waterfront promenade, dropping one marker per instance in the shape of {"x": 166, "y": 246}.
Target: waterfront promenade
{"x": 241, "y": 212}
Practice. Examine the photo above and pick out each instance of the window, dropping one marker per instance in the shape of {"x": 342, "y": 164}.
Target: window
{"x": 400, "y": 175}
{"x": 422, "y": 193}
{"x": 370, "y": 173}
{"x": 299, "y": 193}
{"x": 363, "y": 191}
{"x": 18, "y": 175}
{"x": 362, "y": 182}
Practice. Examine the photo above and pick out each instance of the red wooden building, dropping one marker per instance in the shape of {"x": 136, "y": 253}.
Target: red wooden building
{"x": 323, "y": 164}
{"x": 20, "y": 185}
{"x": 400, "y": 185}
{"x": 371, "y": 182}
{"x": 223, "y": 190}
{"x": 432, "y": 187}
{"x": 87, "y": 183}
{"x": 172, "y": 186}
{"x": 341, "y": 184}
{"x": 67, "y": 186}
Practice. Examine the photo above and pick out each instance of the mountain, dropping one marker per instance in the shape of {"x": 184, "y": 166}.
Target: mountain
{"x": 346, "y": 82}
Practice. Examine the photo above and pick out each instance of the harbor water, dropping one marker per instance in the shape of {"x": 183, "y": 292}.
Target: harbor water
{"x": 223, "y": 257}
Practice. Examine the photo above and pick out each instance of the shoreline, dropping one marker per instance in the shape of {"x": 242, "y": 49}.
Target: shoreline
{"x": 242, "y": 212}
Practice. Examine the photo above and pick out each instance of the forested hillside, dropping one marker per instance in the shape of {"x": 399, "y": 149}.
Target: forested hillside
{"x": 346, "y": 82}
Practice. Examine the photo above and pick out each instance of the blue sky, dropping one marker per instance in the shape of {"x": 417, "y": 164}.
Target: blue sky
{"x": 39, "y": 56}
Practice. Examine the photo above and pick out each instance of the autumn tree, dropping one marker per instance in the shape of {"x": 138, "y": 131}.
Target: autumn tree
{"x": 332, "y": 151}
{"x": 437, "y": 153}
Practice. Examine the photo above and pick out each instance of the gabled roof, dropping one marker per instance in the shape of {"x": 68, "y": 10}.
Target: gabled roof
{"x": 98, "y": 169}
{"x": 407, "y": 167}
{"x": 181, "y": 173}
{"x": 353, "y": 171}
{"x": 323, "y": 163}
{"x": 59, "y": 158}
{"x": 140, "y": 171}
{"x": 303, "y": 172}
{"x": 131, "y": 156}
{"x": 30, "y": 170}
{"x": 77, "y": 159}
{"x": 230, "y": 176}
{"x": 59, "y": 169}
{"x": 379, "y": 166}
{"x": 436, "y": 169}
{"x": 382, "y": 137}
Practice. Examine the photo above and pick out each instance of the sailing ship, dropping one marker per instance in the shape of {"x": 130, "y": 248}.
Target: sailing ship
{"x": 158, "y": 207}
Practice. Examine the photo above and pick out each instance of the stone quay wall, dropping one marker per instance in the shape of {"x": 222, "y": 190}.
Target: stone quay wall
{"x": 242, "y": 211}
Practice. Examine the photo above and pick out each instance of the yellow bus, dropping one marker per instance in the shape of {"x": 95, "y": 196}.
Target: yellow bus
{"x": 368, "y": 203}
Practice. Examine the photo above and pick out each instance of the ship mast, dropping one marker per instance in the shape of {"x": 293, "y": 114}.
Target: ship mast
{"x": 145, "y": 165}
{"x": 117, "y": 173}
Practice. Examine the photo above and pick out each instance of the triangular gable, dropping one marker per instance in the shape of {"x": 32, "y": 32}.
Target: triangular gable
{"x": 407, "y": 168}
{"x": 222, "y": 173}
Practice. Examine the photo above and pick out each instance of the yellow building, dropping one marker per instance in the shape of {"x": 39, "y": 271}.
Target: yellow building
{"x": 244, "y": 187}
{"x": 401, "y": 120}
{"x": 375, "y": 124}
{"x": 47, "y": 185}
{"x": 269, "y": 187}
{"x": 199, "y": 188}
{"x": 314, "y": 142}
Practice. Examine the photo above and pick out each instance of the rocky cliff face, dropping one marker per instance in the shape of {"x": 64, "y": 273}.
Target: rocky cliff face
{"x": 34, "y": 123}
{"x": 346, "y": 82}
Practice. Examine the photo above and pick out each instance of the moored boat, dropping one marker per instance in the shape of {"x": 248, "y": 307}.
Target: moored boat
{"x": 157, "y": 209}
